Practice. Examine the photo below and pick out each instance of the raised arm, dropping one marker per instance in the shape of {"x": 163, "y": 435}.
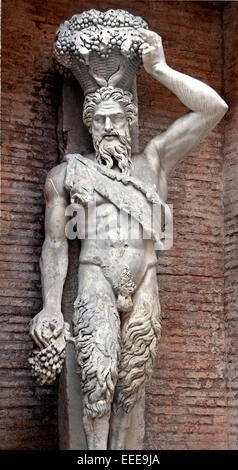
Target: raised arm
{"x": 170, "y": 147}
{"x": 54, "y": 260}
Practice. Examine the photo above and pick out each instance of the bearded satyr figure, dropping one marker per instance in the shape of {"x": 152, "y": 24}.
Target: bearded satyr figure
{"x": 116, "y": 320}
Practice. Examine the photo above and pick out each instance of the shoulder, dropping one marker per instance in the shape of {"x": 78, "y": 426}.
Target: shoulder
{"x": 54, "y": 185}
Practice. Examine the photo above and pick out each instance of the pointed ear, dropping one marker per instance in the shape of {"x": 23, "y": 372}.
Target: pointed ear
{"x": 133, "y": 121}
{"x": 132, "y": 115}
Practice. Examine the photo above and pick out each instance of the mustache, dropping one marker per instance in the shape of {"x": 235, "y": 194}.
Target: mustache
{"x": 109, "y": 134}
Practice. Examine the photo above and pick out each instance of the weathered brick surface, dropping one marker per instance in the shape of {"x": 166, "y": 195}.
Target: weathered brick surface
{"x": 186, "y": 404}
{"x": 186, "y": 399}
{"x": 231, "y": 217}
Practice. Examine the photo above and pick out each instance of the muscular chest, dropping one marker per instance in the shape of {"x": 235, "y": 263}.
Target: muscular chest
{"x": 116, "y": 226}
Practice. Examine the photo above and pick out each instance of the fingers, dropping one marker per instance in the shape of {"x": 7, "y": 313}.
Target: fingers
{"x": 58, "y": 329}
{"x": 34, "y": 336}
{"x": 39, "y": 337}
{"x": 45, "y": 327}
{"x": 149, "y": 36}
{"x": 146, "y": 48}
{"x": 37, "y": 331}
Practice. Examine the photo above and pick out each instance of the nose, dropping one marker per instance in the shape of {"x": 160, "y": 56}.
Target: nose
{"x": 108, "y": 124}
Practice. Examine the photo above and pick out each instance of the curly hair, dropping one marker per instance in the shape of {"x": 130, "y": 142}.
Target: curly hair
{"x": 96, "y": 327}
{"x": 139, "y": 340}
{"x": 118, "y": 95}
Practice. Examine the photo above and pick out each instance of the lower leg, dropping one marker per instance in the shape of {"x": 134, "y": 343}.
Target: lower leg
{"x": 96, "y": 430}
{"x": 119, "y": 428}
{"x": 127, "y": 428}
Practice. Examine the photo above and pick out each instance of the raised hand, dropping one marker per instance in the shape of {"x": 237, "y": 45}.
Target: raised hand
{"x": 152, "y": 50}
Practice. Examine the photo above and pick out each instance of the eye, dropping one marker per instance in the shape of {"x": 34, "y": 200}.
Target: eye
{"x": 117, "y": 118}
{"x": 98, "y": 119}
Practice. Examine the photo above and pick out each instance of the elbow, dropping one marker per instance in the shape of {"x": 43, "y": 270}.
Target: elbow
{"x": 216, "y": 112}
{"x": 224, "y": 107}
{"x": 221, "y": 108}
{"x": 53, "y": 251}
{"x": 55, "y": 242}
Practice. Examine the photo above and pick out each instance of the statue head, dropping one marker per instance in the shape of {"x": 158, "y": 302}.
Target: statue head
{"x": 110, "y": 114}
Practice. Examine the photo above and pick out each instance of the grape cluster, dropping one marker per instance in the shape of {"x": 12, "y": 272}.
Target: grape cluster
{"x": 65, "y": 72}
{"x": 63, "y": 47}
{"x": 47, "y": 363}
{"x": 110, "y": 18}
{"x": 100, "y": 32}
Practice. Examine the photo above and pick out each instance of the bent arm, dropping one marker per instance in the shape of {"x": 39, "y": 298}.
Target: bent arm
{"x": 188, "y": 131}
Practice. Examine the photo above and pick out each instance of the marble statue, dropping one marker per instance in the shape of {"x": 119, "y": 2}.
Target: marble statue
{"x": 117, "y": 321}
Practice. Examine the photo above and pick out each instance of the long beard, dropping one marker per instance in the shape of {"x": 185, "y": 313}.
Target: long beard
{"x": 118, "y": 149}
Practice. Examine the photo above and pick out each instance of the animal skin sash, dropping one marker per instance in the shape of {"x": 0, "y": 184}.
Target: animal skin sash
{"x": 84, "y": 177}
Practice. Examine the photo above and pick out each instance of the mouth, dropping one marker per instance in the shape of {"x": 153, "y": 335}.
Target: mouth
{"x": 109, "y": 136}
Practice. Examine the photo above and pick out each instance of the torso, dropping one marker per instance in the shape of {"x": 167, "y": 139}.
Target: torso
{"x": 115, "y": 247}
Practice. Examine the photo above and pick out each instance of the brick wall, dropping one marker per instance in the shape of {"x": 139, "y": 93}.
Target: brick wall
{"x": 231, "y": 216}
{"x": 186, "y": 399}
{"x": 186, "y": 406}
{"x": 29, "y": 150}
